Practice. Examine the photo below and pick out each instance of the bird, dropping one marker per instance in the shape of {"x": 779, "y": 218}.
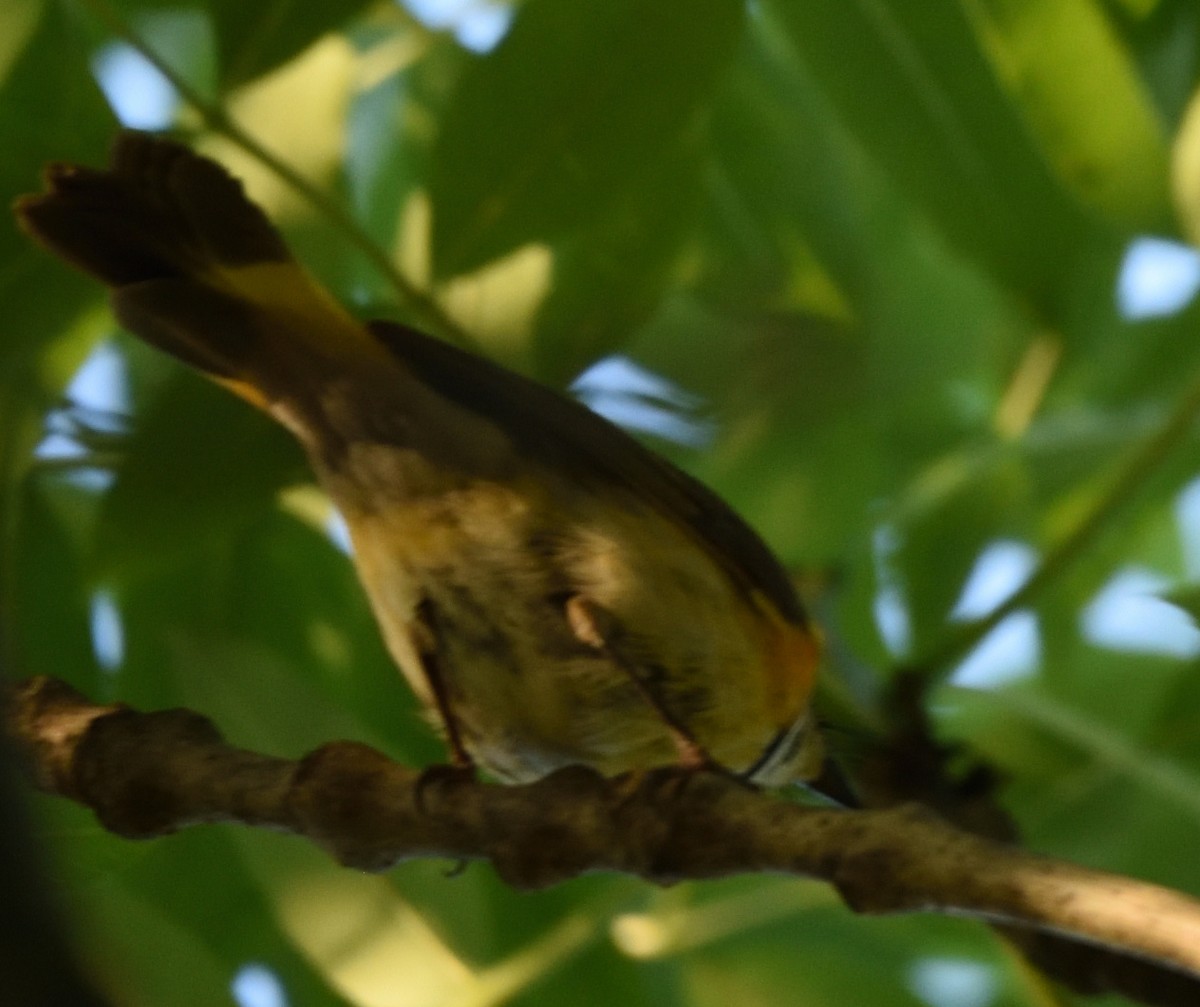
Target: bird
{"x": 553, "y": 591}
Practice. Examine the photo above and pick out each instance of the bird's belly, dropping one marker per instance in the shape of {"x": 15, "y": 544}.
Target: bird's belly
{"x": 474, "y": 588}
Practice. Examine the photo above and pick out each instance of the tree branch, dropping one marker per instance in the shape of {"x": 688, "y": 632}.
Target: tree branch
{"x": 148, "y": 774}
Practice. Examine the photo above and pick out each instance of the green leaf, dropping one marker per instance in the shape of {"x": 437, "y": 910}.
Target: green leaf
{"x": 914, "y": 85}
{"x": 1186, "y": 597}
{"x": 1185, "y": 170}
{"x": 47, "y": 576}
{"x": 1106, "y": 744}
{"x": 788, "y": 176}
{"x": 576, "y": 102}
{"x": 182, "y": 918}
{"x": 75, "y": 125}
{"x": 1085, "y": 102}
{"x": 255, "y": 38}
{"x": 629, "y": 254}
{"x": 198, "y": 464}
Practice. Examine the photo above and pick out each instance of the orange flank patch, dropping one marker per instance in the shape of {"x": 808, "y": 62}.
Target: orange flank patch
{"x": 791, "y": 655}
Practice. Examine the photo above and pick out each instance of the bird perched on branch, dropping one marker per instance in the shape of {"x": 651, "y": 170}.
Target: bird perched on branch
{"x": 555, "y": 592}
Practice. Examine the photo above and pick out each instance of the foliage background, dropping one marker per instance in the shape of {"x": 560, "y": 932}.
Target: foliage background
{"x": 877, "y": 243}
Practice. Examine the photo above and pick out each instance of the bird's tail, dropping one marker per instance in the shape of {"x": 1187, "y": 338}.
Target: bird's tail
{"x": 195, "y": 268}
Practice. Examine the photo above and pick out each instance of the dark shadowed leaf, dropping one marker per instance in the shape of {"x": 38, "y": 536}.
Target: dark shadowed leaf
{"x": 575, "y": 103}
{"x": 1186, "y": 597}
{"x": 254, "y": 38}
{"x": 200, "y": 464}
{"x": 628, "y": 253}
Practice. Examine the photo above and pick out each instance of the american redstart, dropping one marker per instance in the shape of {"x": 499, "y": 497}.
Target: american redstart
{"x": 552, "y": 589}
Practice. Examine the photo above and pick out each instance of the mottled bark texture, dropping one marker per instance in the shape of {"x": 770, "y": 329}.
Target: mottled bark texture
{"x": 148, "y": 774}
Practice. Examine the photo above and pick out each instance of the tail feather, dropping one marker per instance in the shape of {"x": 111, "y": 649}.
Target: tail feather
{"x": 205, "y": 328}
{"x": 196, "y": 269}
{"x": 159, "y": 211}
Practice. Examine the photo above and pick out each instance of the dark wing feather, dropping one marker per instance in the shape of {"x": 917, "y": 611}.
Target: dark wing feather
{"x": 570, "y": 436}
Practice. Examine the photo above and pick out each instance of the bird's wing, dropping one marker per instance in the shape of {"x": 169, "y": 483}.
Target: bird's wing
{"x": 572, "y": 438}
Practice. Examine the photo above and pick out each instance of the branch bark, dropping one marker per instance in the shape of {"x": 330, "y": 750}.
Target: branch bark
{"x": 148, "y": 774}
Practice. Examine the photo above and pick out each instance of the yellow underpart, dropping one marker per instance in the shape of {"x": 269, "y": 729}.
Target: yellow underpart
{"x": 286, "y": 292}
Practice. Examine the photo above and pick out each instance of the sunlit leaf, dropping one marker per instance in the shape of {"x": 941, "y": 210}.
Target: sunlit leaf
{"x": 1085, "y": 102}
